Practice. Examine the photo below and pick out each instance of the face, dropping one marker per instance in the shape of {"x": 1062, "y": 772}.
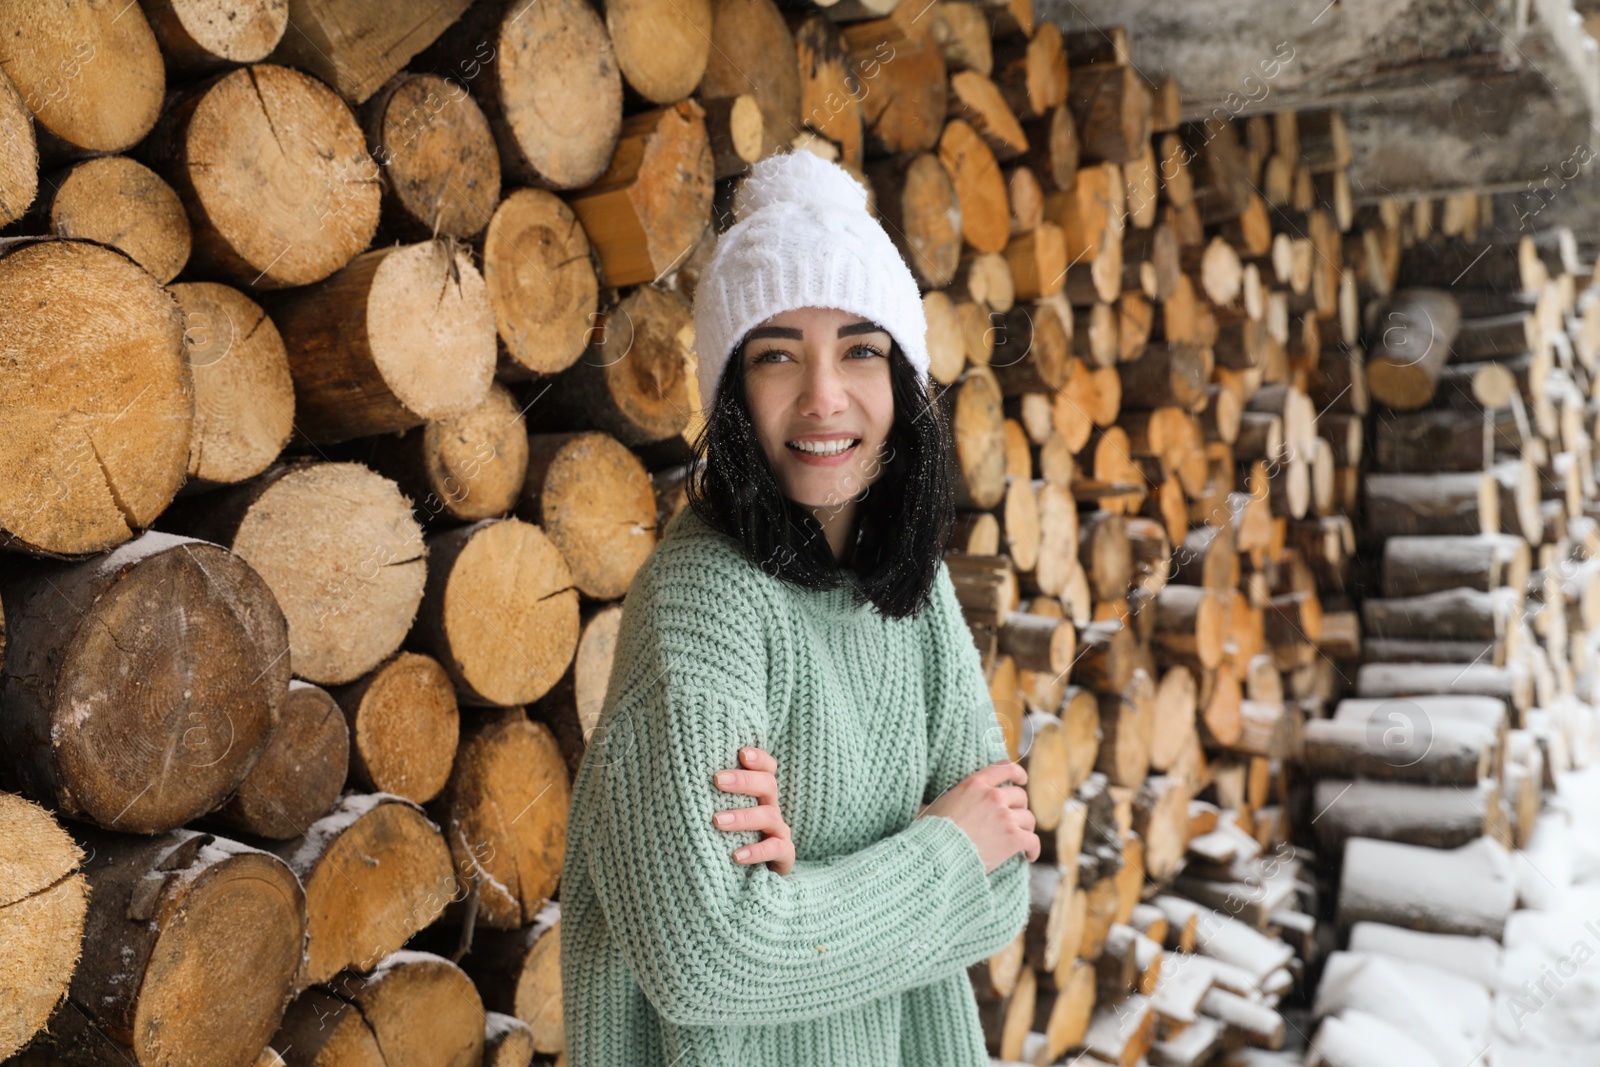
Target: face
{"x": 819, "y": 378}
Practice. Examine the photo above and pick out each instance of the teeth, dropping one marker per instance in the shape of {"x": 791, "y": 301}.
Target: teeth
{"x": 823, "y": 448}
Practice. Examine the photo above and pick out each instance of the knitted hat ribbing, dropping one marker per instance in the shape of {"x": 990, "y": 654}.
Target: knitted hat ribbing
{"x": 802, "y": 237}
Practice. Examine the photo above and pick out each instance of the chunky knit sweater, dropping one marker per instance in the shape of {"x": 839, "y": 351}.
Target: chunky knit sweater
{"x": 675, "y": 955}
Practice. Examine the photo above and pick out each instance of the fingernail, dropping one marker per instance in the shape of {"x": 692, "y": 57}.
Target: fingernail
{"x": 749, "y": 753}
{"x": 723, "y": 818}
{"x": 743, "y": 853}
{"x": 724, "y": 777}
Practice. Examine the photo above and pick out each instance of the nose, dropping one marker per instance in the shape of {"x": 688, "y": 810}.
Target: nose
{"x": 822, "y": 393}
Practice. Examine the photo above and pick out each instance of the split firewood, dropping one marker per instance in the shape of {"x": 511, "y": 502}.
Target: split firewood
{"x": 274, "y": 172}
{"x": 400, "y": 336}
{"x": 301, "y": 771}
{"x": 243, "y": 389}
{"x": 511, "y": 654}
{"x": 88, "y": 482}
{"x": 43, "y": 904}
{"x": 375, "y": 871}
{"x": 506, "y": 763}
{"x": 190, "y": 950}
{"x": 338, "y": 547}
{"x": 414, "y": 1008}
{"x": 142, "y": 686}
{"x": 439, "y": 165}
{"x": 647, "y": 210}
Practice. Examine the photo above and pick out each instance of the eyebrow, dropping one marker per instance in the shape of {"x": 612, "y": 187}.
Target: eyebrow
{"x": 792, "y": 334}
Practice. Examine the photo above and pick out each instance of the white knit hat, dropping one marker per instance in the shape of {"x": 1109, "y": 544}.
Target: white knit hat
{"x": 802, "y": 237}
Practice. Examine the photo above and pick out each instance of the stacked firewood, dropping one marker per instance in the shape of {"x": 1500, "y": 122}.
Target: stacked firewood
{"x": 341, "y": 412}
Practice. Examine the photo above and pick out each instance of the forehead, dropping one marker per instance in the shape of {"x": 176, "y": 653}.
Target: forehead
{"x": 797, "y": 330}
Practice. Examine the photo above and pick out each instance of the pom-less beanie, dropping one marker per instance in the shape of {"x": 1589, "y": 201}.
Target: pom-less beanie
{"x": 802, "y": 237}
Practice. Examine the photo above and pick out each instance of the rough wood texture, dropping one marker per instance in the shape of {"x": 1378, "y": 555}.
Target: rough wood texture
{"x": 274, "y": 171}
{"x": 142, "y": 686}
{"x": 90, "y": 478}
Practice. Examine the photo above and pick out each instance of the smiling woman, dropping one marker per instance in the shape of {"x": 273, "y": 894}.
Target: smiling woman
{"x": 795, "y": 638}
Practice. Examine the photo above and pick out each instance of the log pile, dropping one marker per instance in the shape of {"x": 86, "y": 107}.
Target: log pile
{"x": 313, "y": 568}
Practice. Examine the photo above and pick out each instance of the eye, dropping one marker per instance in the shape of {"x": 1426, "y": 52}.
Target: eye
{"x": 761, "y": 357}
{"x": 871, "y": 350}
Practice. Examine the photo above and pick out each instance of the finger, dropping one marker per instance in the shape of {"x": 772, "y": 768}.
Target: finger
{"x": 760, "y": 784}
{"x": 757, "y": 759}
{"x": 1012, "y": 798}
{"x": 1004, "y": 771}
{"x": 1034, "y": 847}
{"x": 763, "y": 817}
{"x": 769, "y": 848}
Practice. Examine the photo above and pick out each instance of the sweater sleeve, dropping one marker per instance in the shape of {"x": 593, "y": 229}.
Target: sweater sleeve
{"x": 965, "y": 737}
{"x": 717, "y": 943}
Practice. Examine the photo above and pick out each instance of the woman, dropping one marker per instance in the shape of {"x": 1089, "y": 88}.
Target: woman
{"x": 797, "y": 629}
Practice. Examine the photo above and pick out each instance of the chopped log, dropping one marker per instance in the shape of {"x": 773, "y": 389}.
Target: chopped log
{"x": 1166, "y": 375}
{"x": 415, "y": 1008}
{"x": 243, "y": 391}
{"x": 87, "y": 483}
{"x": 1192, "y": 620}
{"x": 274, "y": 171}
{"x": 193, "y": 40}
{"x": 1453, "y": 615}
{"x": 980, "y": 187}
{"x": 1125, "y": 723}
{"x": 141, "y": 686}
{"x": 1503, "y": 266}
{"x": 917, "y": 203}
{"x": 735, "y": 130}
{"x": 518, "y": 972}
{"x": 905, "y": 112}
{"x": 1431, "y": 504}
{"x": 507, "y": 1041}
{"x": 437, "y": 158}
{"x": 1031, "y": 73}
{"x": 638, "y": 384}
{"x": 19, "y": 156}
{"x": 404, "y": 726}
{"x": 645, "y": 213}
{"x": 420, "y": 344}
{"x": 515, "y": 655}
{"x": 1512, "y": 684}
{"x": 122, "y": 203}
{"x": 1407, "y": 812}
{"x": 976, "y": 102}
{"x": 1467, "y": 890}
{"x": 540, "y": 275}
{"x": 1415, "y": 566}
{"x": 301, "y": 771}
{"x": 43, "y": 902}
{"x": 661, "y": 48}
{"x": 1403, "y": 748}
{"x": 1419, "y": 326}
{"x": 507, "y": 764}
{"x": 375, "y": 871}
{"x": 465, "y": 468}
{"x": 81, "y": 107}
{"x": 337, "y": 545}
{"x": 1111, "y": 107}
{"x": 829, "y": 93}
{"x": 190, "y": 951}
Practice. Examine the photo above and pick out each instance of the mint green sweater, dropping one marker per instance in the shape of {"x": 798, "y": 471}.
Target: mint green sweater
{"x": 675, "y": 955}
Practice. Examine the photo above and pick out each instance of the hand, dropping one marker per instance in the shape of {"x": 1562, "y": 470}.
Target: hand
{"x": 758, "y": 780}
{"x": 993, "y": 814}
